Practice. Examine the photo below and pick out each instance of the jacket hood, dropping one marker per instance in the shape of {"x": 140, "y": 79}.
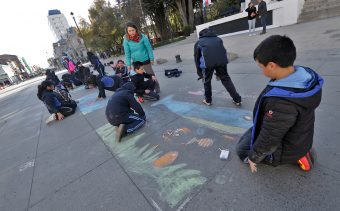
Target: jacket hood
{"x": 303, "y": 84}
{"x": 207, "y": 33}
{"x": 130, "y": 86}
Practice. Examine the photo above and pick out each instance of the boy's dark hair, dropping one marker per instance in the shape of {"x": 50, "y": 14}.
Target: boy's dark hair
{"x": 120, "y": 61}
{"x": 137, "y": 65}
{"x": 276, "y": 48}
{"x": 111, "y": 62}
{"x": 92, "y": 80}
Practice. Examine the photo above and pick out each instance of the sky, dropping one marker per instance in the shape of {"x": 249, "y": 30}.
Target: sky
{"x": 24, "y": 29}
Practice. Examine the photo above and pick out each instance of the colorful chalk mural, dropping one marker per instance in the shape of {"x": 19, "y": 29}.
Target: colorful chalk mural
{"x": 175, "y": 181}
{"x": 89, "y": 103}
{"x": 228, "y": 120}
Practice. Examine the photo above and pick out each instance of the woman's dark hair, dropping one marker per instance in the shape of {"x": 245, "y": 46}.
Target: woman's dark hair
{"x": 42, "y": 87}
{"x": 132, "y": 25}
{"x": 278, "y": 49}
{"x": 92, "y": 80}
{"x": 120, "y": 61}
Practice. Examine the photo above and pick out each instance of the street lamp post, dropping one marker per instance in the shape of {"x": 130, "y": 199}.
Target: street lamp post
{"x": 72, "y": 14}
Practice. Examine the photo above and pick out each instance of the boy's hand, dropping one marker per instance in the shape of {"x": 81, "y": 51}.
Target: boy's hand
{"x": 129, "y": 68}
{"x": 154, "y": 78}
{"x": 152, "y": 62}
{"x": 99, "y": 98}
{"x": 252, "y": 166}
{"x": 60, "y": 116}
{"x": 147, "y": 91}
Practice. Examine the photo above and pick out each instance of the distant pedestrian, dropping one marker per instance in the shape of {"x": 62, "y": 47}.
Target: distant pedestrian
{"x": 210, "y": 55}
{"x": 262, "y": 12}
{"x": 137, "y": 48}
{"x": 251, "y": 18}
{"x": 243, "y": 5}
{"x": 97, "y": 65}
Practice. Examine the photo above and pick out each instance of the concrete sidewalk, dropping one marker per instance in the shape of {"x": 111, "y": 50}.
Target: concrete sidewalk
{"x": 173, "y": 162}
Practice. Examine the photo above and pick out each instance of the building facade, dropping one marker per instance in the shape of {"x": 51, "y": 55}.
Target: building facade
{"x": 58, "y": 23}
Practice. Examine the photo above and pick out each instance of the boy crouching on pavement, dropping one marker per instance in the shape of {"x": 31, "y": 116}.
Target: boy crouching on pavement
{"x": 124, "y": 112}
{"x": 284, "y": 113}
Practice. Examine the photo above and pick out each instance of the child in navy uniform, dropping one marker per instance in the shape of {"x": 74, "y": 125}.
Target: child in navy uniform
{"x": 124, "y": 112}
{"x": 143, "y": 88}
{"x": 111, "y": 83}
{"x": 57, "y": 105}
{"x": 284, "y": 113}
{"x": 210, "y": 55}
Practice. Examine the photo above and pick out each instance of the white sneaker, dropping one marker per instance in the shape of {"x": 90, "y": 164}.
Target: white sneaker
{"x": 51, "y": 119}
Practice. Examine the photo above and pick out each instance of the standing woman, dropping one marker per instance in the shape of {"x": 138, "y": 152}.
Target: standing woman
{"x": 138, "y": 48}
{"x": 251, "y": 18}
{"x": 97, "y": 65}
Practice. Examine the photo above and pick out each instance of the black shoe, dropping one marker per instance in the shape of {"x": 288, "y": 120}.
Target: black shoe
{"x": 152, "y": 96}
{"x": 238, "y": 103}
{"x": 120, "y": 130}
{"x": 262, "y": 33}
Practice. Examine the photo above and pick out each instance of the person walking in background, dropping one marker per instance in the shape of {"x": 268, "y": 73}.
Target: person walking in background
{"x": 210, "y": 55}
{"x": 251, "y": 10}
{"x": 262, "y": 12}
{"x": 138, "y": 49}
{"x": 243, "y": 5}
{"x": 96, "y": 63}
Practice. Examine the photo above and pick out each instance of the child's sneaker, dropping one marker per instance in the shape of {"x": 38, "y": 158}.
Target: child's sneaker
{"x": 119, "y": 132}
{"x": 238, "y": 103}
{"x": 207, "y": 103}
{"x": 51, "y": 119}
{"x": 140, "y": 99}
{"x": 306, "y": 162}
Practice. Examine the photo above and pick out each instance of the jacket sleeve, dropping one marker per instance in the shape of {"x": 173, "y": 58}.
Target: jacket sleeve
{"x": 148, "y": 47}
{"x": 146, "y": 75}
{"x": 278, "y": 118}
{"x": 49, "y": 102}
{"x": 127, "y": 52}
{"x": 101, "y": 88}
{"x": 136, "y": 106}
{"x": 197, "y": 55}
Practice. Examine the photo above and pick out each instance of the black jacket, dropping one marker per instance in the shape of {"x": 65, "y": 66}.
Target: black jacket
{"x": 262, "y": 8}
{"x": 122, "y": 104}
{"x": 122, "y": 71}
{"x": 52, "y": 100}
{"x": 138, "y": 80}
{"x": 250, "y": 11}
{"x": 209, "y": 51}
{"x": 284, "y": 122}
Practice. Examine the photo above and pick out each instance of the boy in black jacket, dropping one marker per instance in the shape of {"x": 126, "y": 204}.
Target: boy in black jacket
{"x": 284, "y": 113}
{"x": 124, "y": 112}
{"x": 210, "y": 55}
{"x": 143, "y": 88}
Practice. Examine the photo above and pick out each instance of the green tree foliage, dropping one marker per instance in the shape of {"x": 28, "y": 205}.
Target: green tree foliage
{"x": 218, "y": 6}
{"x": 106, "y": 29}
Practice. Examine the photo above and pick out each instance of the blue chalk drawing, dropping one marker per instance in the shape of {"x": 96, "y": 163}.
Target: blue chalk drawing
{"x": 88, "y": 103}
{"x": 230, "y": 120}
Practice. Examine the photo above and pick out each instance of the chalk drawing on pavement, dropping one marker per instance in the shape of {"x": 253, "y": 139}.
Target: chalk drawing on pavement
{"x": 175, "y": 133}
{"x": 226, "y": 120}
{"x": 175, "y": 181}
{"x": 27, "y": 165}
{"x": 204, "y": 142}
{"x": 89, "y": 103}
{"x": 165, "y": 160}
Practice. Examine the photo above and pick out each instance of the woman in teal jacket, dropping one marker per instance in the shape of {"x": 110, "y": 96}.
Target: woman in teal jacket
{"x": 138, "y": 48}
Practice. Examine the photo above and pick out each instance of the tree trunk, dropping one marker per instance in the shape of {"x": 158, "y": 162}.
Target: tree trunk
{"x": 182, "y": 11}
{"x": 190, "y": 13}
